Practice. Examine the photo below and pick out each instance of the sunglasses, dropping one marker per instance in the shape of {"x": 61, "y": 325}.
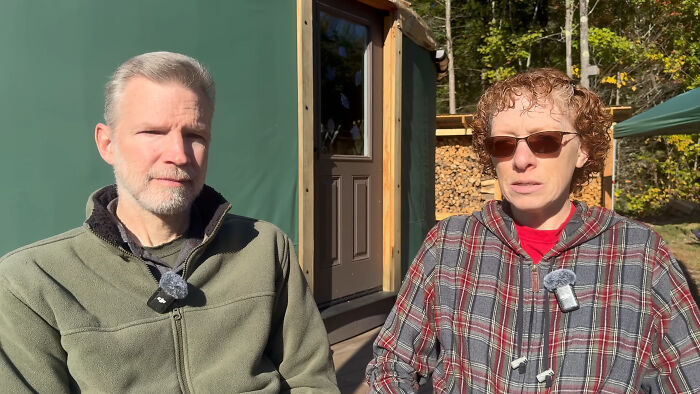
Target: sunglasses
{"x": 543, "y": 142}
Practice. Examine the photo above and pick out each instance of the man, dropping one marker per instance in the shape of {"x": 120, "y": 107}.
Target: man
{"x": 160, "y": 290}
{"x": 536, "y": 293}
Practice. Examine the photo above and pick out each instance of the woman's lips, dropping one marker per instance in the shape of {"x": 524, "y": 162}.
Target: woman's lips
{"x": 525, "y": 187}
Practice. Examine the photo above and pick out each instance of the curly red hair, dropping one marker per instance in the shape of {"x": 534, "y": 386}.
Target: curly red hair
{"x": 548, "y": 85}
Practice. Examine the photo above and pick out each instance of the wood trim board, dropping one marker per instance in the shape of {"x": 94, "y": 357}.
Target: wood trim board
{"x": 305, "y": 109}
{"x": 391, "y": 205}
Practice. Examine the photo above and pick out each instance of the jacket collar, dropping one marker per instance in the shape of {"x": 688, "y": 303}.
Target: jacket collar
{"x": 586, "y": 223}
{"x": 211, "y": 206}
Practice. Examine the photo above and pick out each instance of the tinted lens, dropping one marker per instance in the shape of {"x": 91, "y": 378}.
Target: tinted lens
{"x": 544, "y": 142}
{"x": 500, "y": 146}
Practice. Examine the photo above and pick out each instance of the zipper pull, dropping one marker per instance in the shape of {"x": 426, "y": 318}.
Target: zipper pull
{"x": 545, "y": 377}
{"x": 535, "y": 278}
{"x": 176, "y": 314}
{"x": 520, "y": 364}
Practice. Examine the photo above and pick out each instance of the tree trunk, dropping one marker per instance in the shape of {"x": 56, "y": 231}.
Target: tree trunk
{"x": 567, "y": 35}
{"x": 493, "y": 11}
{"x": 583, "y": 15}
{"x": 450, "y": 60}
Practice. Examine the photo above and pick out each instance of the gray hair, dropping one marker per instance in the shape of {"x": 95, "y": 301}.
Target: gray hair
{"x": 158, "y": 67}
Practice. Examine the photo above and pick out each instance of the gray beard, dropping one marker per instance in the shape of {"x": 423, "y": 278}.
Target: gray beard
{"x": 180, "y": 201}
{"x": 176, "y": 202}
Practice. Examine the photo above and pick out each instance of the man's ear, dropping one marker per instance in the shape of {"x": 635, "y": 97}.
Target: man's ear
{"x": 581, "y": 157}
{"x": 104, "y": 140}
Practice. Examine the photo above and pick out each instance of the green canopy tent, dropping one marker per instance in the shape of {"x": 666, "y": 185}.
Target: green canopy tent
{"x": 679, "y": 115}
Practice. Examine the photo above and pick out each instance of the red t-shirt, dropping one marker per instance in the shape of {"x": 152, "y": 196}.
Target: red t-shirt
{"x": 538, "y": 242}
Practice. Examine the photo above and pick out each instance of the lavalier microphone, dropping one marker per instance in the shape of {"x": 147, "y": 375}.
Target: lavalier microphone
{"x": 171, "y": 287}
{"x": 560, "y": 283}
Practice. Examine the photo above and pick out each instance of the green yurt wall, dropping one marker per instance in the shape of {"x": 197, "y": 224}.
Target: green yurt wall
{"x": 57, "y": 55}
{"x": 417, "y": 149}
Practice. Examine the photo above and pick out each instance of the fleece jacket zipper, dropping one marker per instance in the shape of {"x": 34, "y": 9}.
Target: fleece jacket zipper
{"x": 177, "y": 312}
{"x": 177, "y": 315}
{"x": 180, "y": 350}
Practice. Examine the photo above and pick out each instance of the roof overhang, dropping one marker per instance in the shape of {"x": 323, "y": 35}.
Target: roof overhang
{"x": 410, "y": 23}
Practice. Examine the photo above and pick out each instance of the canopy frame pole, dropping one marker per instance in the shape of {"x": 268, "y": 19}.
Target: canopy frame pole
{"x": 614, "y": 172}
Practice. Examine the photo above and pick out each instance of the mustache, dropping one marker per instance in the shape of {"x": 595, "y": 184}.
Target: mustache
{"x": 175, "y": 173}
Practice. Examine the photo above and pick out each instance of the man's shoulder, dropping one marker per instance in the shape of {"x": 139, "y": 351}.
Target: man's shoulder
{"x": 247, "y": 231}
{"x": 46, "y": 245}
{"x": 241, "y": 223}
{"x": 48, "y": 248}
{"x": 254, "y": 241}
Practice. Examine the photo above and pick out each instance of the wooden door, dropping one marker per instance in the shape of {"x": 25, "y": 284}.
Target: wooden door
{"x": 348, "y": 150}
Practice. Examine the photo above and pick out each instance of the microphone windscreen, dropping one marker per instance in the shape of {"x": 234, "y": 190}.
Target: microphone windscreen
{"x": 173, "y": 285}
{"x": 559, "y": 278}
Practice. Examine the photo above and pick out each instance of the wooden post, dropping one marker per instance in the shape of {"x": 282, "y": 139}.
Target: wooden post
{"x": 391, "y": 166}
{"x": 305, "y": 133}
{"x": 607, "y": 177}
{"x": 606, "y": 181}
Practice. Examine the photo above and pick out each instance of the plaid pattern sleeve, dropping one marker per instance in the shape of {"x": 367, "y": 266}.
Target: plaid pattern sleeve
{"x": 405, "y": 353}
{"x": 473, "y": 302}
{"x": 674, "y": 362}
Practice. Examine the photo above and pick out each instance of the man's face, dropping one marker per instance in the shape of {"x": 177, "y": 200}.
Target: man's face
{"x": 537, "y": 185}
{"x": 159, "y": 146}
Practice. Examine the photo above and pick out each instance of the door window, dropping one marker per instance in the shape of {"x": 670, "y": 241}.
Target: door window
{"x": 344, "y": 58}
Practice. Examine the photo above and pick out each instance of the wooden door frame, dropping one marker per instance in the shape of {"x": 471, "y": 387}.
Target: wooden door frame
{"x": 391, "y": 159}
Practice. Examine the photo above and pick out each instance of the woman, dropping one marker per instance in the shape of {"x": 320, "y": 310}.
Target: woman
{"x": 537, "y": 292}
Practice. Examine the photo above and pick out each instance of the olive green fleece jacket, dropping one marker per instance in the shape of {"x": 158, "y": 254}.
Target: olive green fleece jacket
{"x": 73, "y": 314}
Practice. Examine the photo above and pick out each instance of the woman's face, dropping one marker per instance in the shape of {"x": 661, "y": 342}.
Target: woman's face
{"x": 537, "y": 185}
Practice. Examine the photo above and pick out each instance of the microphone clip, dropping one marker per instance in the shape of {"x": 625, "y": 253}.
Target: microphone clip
{"x": 160, "y": 301}
{"x": 171, "y": 287}
{"x": 560, "y": 283}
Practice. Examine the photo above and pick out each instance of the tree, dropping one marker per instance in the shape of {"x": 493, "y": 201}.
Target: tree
{"x": 490, "y": 40}
{"x": 568, "y": 19}
{"x": 649, "y": 54}
{"x": 656, "y": 170}
{"x": 646, "y": 50}
{"x": 450, "y": 58}
{"x": 587, "y": 70}
{"x": 646, "y": 57}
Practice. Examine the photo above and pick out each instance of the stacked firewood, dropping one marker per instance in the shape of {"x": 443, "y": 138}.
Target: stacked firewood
{"x": 591, "y": 192}
{"x": 457, "y": 176}
{"x": 460, "y": 186}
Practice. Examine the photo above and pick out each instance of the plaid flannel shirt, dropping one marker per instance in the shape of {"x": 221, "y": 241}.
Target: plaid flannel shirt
{"x": 456, "y": 316}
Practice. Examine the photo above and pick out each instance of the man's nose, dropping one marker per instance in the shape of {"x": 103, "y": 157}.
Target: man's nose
{"x": 523, "y": 156}
{"x": 175, "y": 149}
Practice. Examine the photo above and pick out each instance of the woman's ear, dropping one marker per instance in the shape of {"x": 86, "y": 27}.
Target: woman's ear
{"x": 581, "y": 157}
